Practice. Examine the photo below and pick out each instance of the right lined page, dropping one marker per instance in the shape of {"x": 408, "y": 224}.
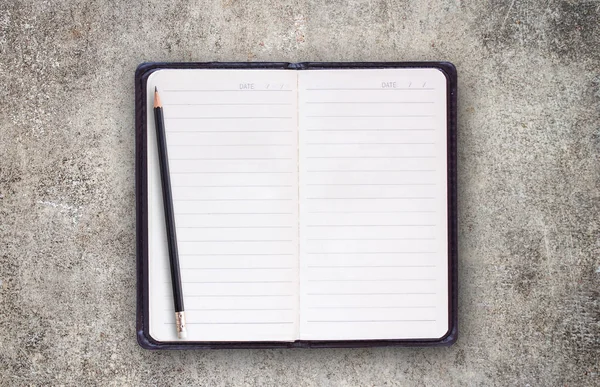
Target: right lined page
{"x": 373, "y": 204}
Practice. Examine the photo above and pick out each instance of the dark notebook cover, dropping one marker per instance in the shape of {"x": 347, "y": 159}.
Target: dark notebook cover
{"x": 142, "y": 316}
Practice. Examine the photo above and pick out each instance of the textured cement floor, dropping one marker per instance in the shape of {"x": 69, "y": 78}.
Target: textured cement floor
{"x": 529, "y": 124}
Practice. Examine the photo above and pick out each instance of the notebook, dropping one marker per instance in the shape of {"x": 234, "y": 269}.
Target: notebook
{"x": 315, "y": 204}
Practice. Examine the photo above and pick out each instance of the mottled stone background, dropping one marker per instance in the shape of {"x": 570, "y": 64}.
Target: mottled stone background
{"x": 529, "y": 195}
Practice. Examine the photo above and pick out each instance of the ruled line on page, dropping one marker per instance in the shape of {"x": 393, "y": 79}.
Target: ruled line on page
{"x": 232, "y": 104}
{"x": 370, "y": 184}
{"x": 230, "y": 200}
{"x": 371, "y": 294}
{"x": 233, "y": 295}
{"x": 230, "y": 159}
{"x": 230, "y": 172}
{"x": 232, "y": 309}
{"x": 233, "y": 282}
{"x": 235, "y": 227}
{"x": 367, "y": 225}
{"x": 371, "y": 307}
{"x": 235, "y": 186}
{"x": 369, "y": 157}
{"x": 234, "y": 213}
{"x": 368, "y": 170}
{"x": 237, "y": 241}
{"x": 373, "y": 280}
{"x": 370, "y": 239}
{"x": 368, "y": 130}
{"x": 373, "y": 116}
{"x": 186, "y": 267}
{"x": 375, "y": 198}
{"x": 370, "y": 143}
{"x": 367, "y": 321}
{"x": 369, "y": 252}
{"x": 231, "y": 118}
{"x": 236, "y": 323}
{"x": 369, "y": 88}
{"x": 227, "y": 145}
{"x": 229, "y": 131}
{"x": 238, "y": 255}
{"x": 234, "y": 268}
{"x": 222, "y": 90}
{"x": 366, "y": 266}
{"x": 369, "y": 212}
{"x": 367, "y": 102}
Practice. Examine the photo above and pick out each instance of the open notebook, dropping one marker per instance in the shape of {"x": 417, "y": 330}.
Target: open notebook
{"x": 310, "y": 206}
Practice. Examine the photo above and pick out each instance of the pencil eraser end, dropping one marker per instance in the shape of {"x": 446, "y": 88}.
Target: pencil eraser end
{"x": 182, "y": 334}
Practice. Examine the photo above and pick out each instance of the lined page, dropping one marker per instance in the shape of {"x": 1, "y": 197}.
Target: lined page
{"x": 373, "y": 205}
{"x": 232, "y": 144}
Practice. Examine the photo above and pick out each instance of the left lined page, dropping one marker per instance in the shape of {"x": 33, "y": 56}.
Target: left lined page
{"x": 232, "y": 145}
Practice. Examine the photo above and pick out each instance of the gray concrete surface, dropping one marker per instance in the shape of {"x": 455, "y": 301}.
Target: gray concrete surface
{"x": 529, "y": 147}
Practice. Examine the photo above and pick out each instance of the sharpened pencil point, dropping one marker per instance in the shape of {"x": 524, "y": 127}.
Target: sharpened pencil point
{"x": 157, "y": 103}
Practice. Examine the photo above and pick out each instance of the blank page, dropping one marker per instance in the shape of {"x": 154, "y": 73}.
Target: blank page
{"x": 232, "y": 145}
{"x": 373, "y": 204}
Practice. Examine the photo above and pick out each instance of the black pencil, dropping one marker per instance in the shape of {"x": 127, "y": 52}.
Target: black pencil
{"x": 169, "y": 216}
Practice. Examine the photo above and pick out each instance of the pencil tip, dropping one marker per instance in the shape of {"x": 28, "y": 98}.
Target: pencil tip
{"x": 157, "y": 102}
